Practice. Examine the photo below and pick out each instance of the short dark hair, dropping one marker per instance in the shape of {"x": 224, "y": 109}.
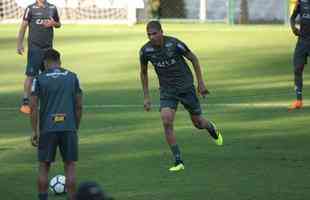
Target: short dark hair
{"x": 51, "y": 55}
{"x": 154, "y": 24}
{"x": 90, "y": 190}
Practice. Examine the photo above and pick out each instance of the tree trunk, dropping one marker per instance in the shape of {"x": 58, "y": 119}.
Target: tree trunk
{"x": 244, "y": 14}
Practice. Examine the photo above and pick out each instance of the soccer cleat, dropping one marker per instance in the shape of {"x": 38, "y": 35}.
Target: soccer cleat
{"x": 219, "y": 140}
{"x": 25, "y": 108}
{"x": 297, "y": 104}
{"x": 177, "y": 167}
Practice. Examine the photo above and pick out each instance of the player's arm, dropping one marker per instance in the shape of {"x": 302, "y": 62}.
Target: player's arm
{"x": 34, "y": 101}
{"x": 53, "y": 21}
{"x": 34, "y": 120}
{"x": 22, "y": 31}
{"x": 182, "y": 49}
{"x": 78, "y": 102}
{"x": 145, "y": 80}
{"x": 57, "y": 19}
{"x": 145, "y": 86}
{"x": 78, "y": 109}
{"x": 57, "y": 25}
{"x": 198, "y": 72}
{"x": 295, "y": 13}
{"x": 21, "y": 36}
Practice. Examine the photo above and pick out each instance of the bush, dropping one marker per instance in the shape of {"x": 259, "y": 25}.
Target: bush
{"x": 168, "y": 9}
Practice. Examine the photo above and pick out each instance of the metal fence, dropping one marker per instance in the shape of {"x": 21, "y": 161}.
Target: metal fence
{"x": 230, "y": 11}
{"x": 226, "y": 11}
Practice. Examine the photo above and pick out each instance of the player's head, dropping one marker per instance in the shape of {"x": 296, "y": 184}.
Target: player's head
{"x": 51, "y": 58}
{"x": 155, "y": 33}
{"x": 91, "y": 191}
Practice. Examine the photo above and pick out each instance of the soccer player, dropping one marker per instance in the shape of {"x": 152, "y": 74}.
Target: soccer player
{"x": 41, "y": 17}
{"x": 302, "y": 50}
{"x": 59, "y": 95}
{"x": 167, "y": 55}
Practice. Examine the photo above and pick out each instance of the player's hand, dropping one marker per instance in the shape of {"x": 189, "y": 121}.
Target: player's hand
{"x": 34, "y": 139}
{"x": 296, "y": 31}
{"x": 202, "y": 90}
{"x": 20, "y": 49}
{"x": 49, "y": 23}
{"x": 147, "y": 104}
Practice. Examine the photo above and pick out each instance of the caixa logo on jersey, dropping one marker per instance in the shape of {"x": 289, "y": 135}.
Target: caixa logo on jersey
{"x": 41, "y": 21}
{"x": 166, "y": 63}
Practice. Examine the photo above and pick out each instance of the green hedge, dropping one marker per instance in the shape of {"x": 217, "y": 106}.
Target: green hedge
{"x": 171, "y": 9}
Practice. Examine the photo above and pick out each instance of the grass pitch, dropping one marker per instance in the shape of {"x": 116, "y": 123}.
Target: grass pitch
{"x": 248, "y": 71}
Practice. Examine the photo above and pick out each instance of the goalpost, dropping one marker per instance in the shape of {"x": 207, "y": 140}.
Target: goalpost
{"x": 79, "y": 11}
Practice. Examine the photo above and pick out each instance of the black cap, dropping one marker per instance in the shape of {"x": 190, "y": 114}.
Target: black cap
{"x": 91, "y": 191}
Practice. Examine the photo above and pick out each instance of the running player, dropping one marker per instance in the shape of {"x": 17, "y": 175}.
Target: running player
{"x": 167, "y": 55}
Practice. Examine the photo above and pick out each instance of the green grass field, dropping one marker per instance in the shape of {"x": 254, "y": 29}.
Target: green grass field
{"x": 248, "y": 71}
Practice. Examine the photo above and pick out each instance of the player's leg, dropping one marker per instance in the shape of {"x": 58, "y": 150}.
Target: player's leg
{"x": 34, "y": 64}
{"x": 25, "y": 107}
{"x": 300, "y": 59}
{"x": 69, "y": 152}
{"x": 46, "y": 155}
{"x": 43, "y": 180}
{"x": 191, "y": 103}
{"x": 167, "y": 116}
{"x": 201, "y": 123}
{"x": 168, "y": 107}
{"x": 298, "y": 79}
{"x": 70, "y": 178}
{"x": 30, "y": 73}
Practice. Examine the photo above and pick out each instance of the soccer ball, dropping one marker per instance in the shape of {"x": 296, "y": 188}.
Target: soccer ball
{"x": 57, "y": 184}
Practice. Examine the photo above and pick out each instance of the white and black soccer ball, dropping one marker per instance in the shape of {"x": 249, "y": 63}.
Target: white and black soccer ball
{"x": 57, "y": 184}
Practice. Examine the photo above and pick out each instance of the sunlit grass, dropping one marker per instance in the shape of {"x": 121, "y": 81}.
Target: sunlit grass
{"x": 249, "y": 73}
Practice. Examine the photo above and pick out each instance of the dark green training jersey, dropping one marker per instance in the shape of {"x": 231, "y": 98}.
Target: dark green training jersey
{"x": 303, "y": 10}
{"x": 57, "y": 89}
{"x": 171, "y": 68}
{"x": 39, "y": 36}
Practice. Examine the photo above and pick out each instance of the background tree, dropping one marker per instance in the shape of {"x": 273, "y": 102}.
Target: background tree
{"x": 244, "y": 14}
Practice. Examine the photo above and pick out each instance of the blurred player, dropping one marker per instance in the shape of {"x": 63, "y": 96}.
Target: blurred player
{"x": 90, "y": 190}
{"x": 57, "y": 92}
{"x": 176, "y": 85}
{"x": 302, "y": 50}
{"x": 41, "y": 17}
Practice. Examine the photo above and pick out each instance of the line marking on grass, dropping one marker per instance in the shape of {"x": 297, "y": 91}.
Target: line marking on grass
{"x": 233, "y": 105}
